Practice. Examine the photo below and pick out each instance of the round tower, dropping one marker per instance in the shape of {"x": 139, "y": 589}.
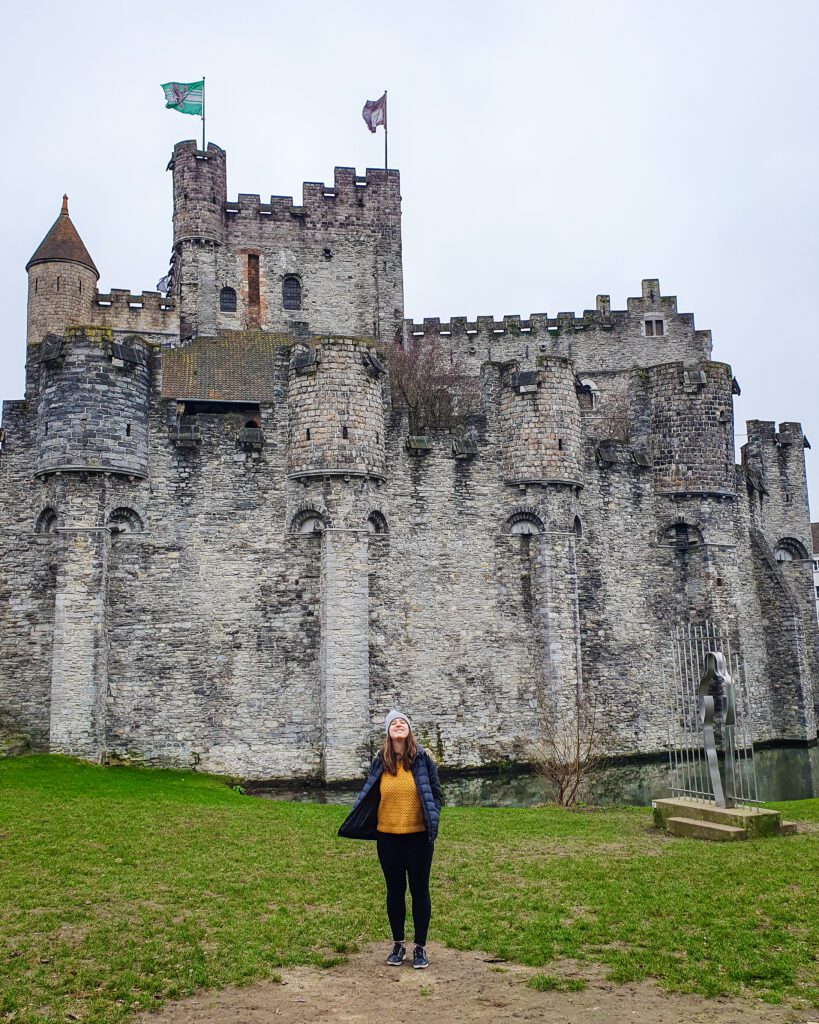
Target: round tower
{"x": 335, "y": 408}
{"x": 540, "y": 418}
{"x": 93, "y": 404}
{"x": 62, "y": 281}
{"x": 692, "y": 428}
{"x": 199, "y": 193}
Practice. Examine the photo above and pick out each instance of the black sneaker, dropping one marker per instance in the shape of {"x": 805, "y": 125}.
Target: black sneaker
{"x": 419, "y": 958}
{"x": 396, "y": 958}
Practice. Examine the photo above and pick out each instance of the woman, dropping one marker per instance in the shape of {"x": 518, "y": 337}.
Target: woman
{"x": 399, "y": 807}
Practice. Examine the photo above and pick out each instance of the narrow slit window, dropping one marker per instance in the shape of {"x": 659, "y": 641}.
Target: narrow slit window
{"x": 291, "y": 292}
{"x": 307, "y": 434}
{"x": 344, "y": 433}
{"x": 127, "y": 429}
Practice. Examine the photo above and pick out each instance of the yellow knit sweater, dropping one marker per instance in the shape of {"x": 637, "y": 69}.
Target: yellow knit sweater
{"x": 400, "y": 811}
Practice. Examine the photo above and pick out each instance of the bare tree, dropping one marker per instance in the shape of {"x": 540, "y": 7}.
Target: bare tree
{"x": 613, "y": 421}
{"x": 567, "y": 751}
{"x": 431, "y": 385}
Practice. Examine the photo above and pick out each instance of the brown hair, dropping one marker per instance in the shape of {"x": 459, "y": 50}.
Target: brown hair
{"x": 408, "y": 757}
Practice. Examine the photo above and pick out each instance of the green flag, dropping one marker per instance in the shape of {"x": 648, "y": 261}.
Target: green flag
{"x": 186, "y": 97}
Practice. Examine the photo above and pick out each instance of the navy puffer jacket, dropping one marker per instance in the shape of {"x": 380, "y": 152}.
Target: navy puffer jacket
{"x": 362, "y": 821}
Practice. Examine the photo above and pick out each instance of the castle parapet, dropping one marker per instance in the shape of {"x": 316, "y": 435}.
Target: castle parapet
{"x": 648, "y": 333}
{"x": 143, "y": 312}
{"x": 351, "y": 193}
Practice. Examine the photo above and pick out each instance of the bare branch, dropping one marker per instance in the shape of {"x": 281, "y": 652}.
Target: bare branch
{"x": 565, "y": 753}
{"x": 434, "y": 389}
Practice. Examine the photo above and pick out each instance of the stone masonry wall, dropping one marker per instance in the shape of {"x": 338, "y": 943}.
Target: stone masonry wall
{"x": 343, "y": 243}
{"x": 692, "y": 428}
{"x": 335, "y": 412}
{"x": 178, "y": 590}
{"x": 93, "y": 413}
{"x": 542, "y": 424}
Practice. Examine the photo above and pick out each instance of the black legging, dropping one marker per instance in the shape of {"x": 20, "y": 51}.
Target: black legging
{"x": 402, "y": 857}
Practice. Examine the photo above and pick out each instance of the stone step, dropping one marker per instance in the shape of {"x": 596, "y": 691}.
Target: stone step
{"x": 697, "y": 828}
{"x": 788, "y": 828}
{"x": 756, "y": 821}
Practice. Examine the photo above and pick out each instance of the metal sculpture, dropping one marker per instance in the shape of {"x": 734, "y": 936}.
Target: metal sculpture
{"x": 716, "y": 674}
{"x": 709, "y": 707}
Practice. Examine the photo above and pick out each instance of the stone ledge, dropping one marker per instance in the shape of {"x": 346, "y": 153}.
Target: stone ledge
{"x": 696, "y": 828}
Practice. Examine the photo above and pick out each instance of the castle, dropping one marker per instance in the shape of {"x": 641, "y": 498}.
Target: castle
{"x": 224, "y": 546}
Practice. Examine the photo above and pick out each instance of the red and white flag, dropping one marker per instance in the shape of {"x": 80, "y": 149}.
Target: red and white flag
{"x": 375, "y": 113}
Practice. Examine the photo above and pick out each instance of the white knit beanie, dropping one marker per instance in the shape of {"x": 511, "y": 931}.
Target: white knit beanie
{"x": 391, "y": 717}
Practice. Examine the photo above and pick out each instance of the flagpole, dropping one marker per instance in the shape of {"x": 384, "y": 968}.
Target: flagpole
{"x": 385, "y": 132}
{"x": 203, "y": 113}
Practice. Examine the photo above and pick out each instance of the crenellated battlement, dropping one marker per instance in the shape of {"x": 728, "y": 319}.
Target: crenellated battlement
{"x": 601, "y": 316}
{"x": 599, "y": 339}
{"x": 121, "y": 309}
{"x": 350, "y": 192}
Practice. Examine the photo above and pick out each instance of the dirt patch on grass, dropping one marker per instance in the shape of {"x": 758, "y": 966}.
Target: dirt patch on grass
{"x": 462, "y": 987}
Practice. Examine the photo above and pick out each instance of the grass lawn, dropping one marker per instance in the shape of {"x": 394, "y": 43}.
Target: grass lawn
{"x": 120, "y": 888}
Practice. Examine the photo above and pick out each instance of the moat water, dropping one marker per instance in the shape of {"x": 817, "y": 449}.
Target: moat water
{"x": 782, "y": 773}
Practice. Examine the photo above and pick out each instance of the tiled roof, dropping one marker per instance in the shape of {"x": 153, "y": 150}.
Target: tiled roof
{"x": 814, "y": 533}
{"x": 235, "y": 366}
{"x": 63, "y": 244}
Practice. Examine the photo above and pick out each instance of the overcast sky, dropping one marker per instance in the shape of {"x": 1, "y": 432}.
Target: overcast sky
{"x": 549, "y": 151}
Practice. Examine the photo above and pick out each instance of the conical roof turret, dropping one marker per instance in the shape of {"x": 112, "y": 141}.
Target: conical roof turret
{"x": 63, "y": 244}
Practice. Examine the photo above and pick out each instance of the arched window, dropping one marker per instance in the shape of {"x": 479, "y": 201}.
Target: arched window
{"x": 682, "y": 535}
{"x": 524, "y": 523}
{"x": 376, "y": 523}
{"x": 589, "y": 394}
{"x": 124, "y": 520}
{"x": 789, "y": 550}
{"x": 577, "y": 527}
{"x": 46, "y": 521}
{"x": 291, "y": 292}
{"x": 227, "y": 300}
{"x": 308, "y": 522}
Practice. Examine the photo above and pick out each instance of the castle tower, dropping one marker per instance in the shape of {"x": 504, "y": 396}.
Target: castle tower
{"x": 540, "y": 417}
{"x": 541, "y": 456}
{"x": 336, "y": 438}
{"x": 199, "y": 196}
{"x": 331, "y": 265}
{"x": 62, "y": 281}
{"x": 335, "y": 406}
{"x": 774, "y": 461}
{"x": 91, "y": 394}
{"x": 692, "y": 429}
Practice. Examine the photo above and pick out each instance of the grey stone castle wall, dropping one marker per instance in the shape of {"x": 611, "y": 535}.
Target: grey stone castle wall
{"x": 252, "y": 601}
{"x": 93, "y": 405}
